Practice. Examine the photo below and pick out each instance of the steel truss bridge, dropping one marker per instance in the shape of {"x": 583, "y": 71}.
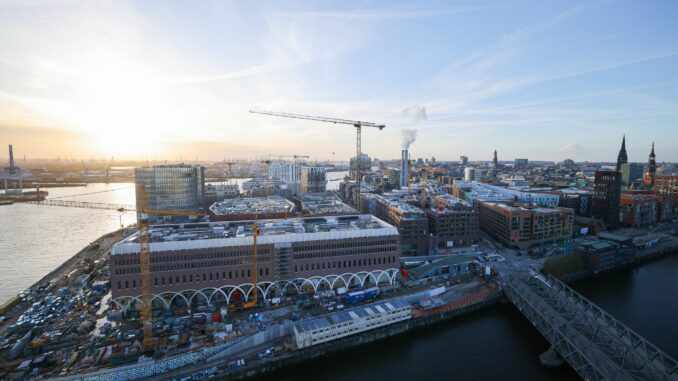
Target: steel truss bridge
{"x": 596, "y": 345}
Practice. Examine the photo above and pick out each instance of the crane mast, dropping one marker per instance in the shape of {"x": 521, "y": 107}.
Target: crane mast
{"x": 355, "y": 123}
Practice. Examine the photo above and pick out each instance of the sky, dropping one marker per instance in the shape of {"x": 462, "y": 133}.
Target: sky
{"x": 544, "y": 80}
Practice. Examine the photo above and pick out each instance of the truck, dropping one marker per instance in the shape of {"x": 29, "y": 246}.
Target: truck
{"x": 361, "y": 296}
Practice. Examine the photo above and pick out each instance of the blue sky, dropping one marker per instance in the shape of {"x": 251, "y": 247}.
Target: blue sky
{"x": 538, "y": 79}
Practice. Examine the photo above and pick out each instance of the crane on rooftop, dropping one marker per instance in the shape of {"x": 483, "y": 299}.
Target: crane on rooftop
{"x": 355, "y": 123}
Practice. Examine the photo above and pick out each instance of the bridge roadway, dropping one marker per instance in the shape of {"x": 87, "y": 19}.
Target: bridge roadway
{"x": 85, "y": 204}
{"x": 596, "y": 345}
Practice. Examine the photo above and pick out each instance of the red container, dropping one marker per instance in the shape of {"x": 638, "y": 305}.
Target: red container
{"x": 216, "y": 317}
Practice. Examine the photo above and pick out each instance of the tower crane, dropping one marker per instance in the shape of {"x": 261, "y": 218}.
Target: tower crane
{"x": 145, "y": 262}
{"x": 355, "y": 123}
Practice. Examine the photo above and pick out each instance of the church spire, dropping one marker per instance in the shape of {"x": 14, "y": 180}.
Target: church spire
{"x": 622, "y": 157}
{"x": 651, "y": 168}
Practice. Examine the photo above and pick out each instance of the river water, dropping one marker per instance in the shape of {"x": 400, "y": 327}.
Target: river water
{"x": 495, "y": 343}
{"x": 35, "y": 239}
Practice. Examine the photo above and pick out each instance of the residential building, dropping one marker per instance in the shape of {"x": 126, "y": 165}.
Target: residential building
{"x": 638, "y": 210}
{"x": 606, "y": 197}
{"x": 452, "y": 222}
{"x": 524, "y": 226}
{"x": 313, "y": 179}
{"x": 411, "y": 222}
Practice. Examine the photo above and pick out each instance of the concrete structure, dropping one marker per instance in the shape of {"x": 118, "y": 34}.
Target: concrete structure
{"x": 350, "y": 322}
{"x": 630, "y": 172}
{"x": 250, "y": 208}
{"x": 404, "y": 168}
{"x": 522, "y": 226}
{"x": 313, "y": 179}
{"x": 473, "y": 191}
{"x": 323, "y": 204}
{"x": 214, "y": 260}
{"x": 638, "y": 210}
{"x": 454, "y": 265}
{"x": 463, "y": 160}
{"x": 452, "y": 222}
{"x": 178, "y": 187}
{"x": 218, "y": 192}
{"x": 411, "y": 222}
{"x": 607, "y": 191}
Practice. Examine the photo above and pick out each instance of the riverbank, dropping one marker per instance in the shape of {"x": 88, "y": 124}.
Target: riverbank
{"x": 59, "y": 277}
{"x": 297, "y": 357}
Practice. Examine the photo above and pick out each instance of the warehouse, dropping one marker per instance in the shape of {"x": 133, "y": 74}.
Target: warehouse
{"x": 350, "y": 322}
{"x": 214, "y": 260}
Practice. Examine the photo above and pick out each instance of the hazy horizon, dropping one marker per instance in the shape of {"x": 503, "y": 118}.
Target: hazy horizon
{"x": 160, "y": 80}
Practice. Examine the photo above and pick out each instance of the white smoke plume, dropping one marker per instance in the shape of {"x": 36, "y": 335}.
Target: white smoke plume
{"x": 416, "y": 112}
{"x": 409, "y": 136}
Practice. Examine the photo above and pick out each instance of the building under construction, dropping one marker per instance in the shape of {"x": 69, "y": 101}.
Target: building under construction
{"x": 315, "y": 252}
{"x": 323, "y": 204}
{"x": 452, "y": 222}
{"x": 250, "y": 208}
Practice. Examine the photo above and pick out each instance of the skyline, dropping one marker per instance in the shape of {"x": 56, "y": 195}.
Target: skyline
{"x": 142, "y": 80}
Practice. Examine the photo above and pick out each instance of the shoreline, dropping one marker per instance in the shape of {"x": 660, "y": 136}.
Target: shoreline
{"x": 94, "y": 250}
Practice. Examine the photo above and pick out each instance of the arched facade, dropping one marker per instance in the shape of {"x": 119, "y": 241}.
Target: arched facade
{"x": 266, "y": 289}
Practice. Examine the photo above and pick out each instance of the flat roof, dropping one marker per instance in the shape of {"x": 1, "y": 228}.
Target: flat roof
{"x": 189, "y": 236}
{"x": 325, "y": 204}
{"x": 252, "y": 205}
{"x": 420, "y": 271}
{"x": 326, "y": 321}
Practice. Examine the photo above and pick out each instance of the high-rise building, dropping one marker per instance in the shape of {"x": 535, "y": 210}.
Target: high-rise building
{"x": 651, "y": 169}
{"x": 622, "y": 158}
{"x": 171, "y": 188}
{"x": 393, "y": 178}
{"x": 288, "y": 172}
{"x": 607, "y": 192}
{"x": 313, "y": 179}
{"x": 463, "y": 160}
{"x": 630, "y": 172}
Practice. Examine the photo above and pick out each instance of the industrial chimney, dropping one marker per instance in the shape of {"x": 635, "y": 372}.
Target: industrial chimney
{"x": 404, "y": 168}
{"x": 11, "y": 157}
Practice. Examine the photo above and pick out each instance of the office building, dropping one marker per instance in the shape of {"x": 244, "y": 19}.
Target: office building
{"x": 630, "y": 172}
{"x": 218, "y": 255}
{"x": 520, "y": 164}
{"x": 313, "y": 179}
{"x": 463, "y": 160}
{"x": 472, "y": 174}
{"x": 170, "y": 188}
{"x": 523, "y": 226}
{"x": 606, "y": 195}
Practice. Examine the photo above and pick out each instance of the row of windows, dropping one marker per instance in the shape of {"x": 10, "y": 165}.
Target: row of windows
{"x": 344, "y": 264}
{"x": 169, "y": 280}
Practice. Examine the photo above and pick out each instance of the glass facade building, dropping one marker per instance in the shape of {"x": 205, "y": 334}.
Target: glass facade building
{"x": 171, "y": 188}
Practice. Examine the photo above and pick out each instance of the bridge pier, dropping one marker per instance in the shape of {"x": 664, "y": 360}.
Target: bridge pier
{"x": 551, "y": 359}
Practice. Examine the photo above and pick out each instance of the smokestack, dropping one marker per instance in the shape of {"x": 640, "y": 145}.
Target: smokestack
{"x": 404, "y": 168}
{"x": 11, "y": 157}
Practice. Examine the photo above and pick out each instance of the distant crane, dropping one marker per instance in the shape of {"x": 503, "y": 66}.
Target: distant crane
{"x": 355, "y": 123}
